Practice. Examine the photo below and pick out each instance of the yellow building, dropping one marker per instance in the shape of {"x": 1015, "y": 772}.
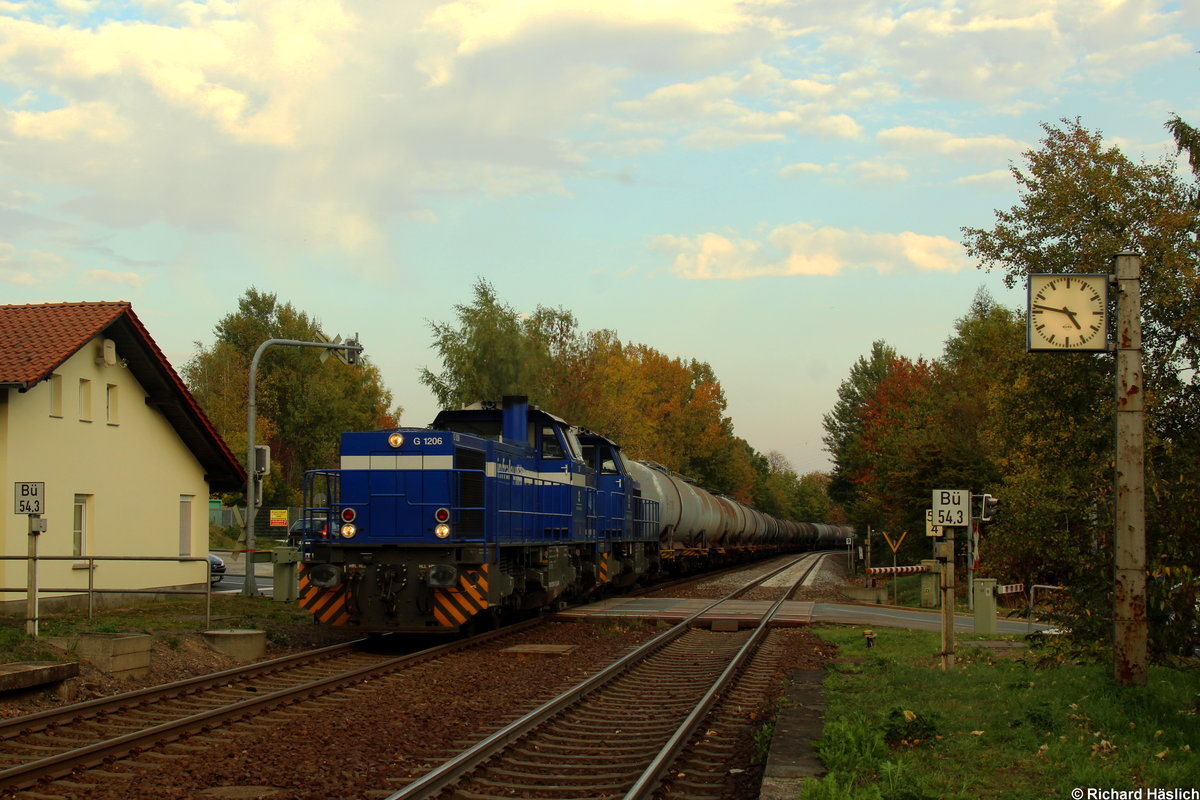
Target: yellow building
{"x": 91, "y": 408}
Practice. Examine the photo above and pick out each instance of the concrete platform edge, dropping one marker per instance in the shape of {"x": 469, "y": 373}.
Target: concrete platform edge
{"x": 792, "y": 757}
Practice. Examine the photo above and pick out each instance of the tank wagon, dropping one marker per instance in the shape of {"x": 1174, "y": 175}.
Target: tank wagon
{"x": 491, "y": 511}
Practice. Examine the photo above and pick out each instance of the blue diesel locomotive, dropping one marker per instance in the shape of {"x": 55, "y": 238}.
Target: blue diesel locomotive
{"x": 493, "y": 511}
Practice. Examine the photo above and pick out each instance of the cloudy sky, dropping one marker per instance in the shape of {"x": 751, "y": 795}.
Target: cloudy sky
{"x": 767, "y": 185}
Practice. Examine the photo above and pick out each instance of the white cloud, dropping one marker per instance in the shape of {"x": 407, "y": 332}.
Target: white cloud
{"x": 996, "y": 179}
{"x": 880, "y": 171}
{"x": 104, "y": 277}
{"x": 92, "y": 120}
{"x": 929, "y": 141}
{"x": 30, "y": 267}
{"x": 804, "y": 250}
{"x": 803, "y": 168}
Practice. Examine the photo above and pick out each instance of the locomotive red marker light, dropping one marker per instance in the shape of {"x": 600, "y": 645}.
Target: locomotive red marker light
{"x": 442, "y": 515}
{"x": 348, "y": 514}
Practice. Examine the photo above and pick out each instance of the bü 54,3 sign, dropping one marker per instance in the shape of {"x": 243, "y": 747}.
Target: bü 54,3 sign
{"x": 952, "y": 507}
{"x": 29, "y": 498}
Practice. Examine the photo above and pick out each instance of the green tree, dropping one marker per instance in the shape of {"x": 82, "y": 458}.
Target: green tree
{"x": 844, "y": 425}
{"x": 303, "y": 405}
{"x": 1080, "y": 203}
{"x": 493, "y": 352}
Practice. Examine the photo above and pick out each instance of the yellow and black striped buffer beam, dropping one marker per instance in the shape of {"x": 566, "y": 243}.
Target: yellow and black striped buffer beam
{"x": 470, "y": 597}
{"x": 602, "y": 569}
{"x": 329, "y": 606}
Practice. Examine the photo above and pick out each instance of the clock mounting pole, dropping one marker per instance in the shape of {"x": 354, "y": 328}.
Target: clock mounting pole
{"x": 1129, "y": 534}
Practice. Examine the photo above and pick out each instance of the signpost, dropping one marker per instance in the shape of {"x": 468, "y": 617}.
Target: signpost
{"x": 951, "y": 509}
{"x": 29, "y": 498}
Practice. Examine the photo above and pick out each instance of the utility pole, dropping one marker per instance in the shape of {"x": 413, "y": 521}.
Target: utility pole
{"x": 1129, "y": 534}
{"x": 350, "y": 349}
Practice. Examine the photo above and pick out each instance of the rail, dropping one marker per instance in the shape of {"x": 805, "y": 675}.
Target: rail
{"x": 444, "y": 775}
{"x": 91, "y": 589}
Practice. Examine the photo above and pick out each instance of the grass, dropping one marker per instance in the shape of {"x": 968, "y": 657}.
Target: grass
{"x": 899, "y": 728}
{"x": 166, "y": 620}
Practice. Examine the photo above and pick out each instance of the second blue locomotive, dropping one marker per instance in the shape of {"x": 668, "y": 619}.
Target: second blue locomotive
{"x": 495, "y": 510}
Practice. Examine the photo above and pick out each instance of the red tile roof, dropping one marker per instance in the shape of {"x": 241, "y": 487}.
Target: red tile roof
{"x": 37, "y": 339}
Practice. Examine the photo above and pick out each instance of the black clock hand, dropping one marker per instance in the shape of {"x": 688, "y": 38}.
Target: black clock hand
{"x": 1063, "y": 310}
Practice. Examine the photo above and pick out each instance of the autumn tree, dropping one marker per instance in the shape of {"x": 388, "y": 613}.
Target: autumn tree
{"x": 1080, "y": 203}
{"x": 303, "y": 405}
{"x": 844, "y": 425}
{"x": 660, "y": 408}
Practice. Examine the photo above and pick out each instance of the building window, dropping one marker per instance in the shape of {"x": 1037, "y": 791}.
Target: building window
{"x": 79, "y": 531}
{"x": 110, "y": 405}
{"x": 56, "y": 395}
{"x": 185, "y": 524}
{"x": 85, "y": 400}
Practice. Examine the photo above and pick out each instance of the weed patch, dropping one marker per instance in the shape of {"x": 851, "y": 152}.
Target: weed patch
{"x": 897, "y": 726}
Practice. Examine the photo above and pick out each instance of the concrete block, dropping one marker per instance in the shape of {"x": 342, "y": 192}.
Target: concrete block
{"x": 867, "y": 594}
{"x": 122, "y": 655}
{"x": 28, "y": 674}
{"x": 243, "y": 645}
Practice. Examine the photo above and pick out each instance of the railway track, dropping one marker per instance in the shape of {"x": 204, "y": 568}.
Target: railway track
{"x": 57, "y": 742}
{"x": 629, "y": 731}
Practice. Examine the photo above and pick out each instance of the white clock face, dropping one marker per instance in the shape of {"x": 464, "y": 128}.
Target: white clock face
{"x": 1068, "y": 312}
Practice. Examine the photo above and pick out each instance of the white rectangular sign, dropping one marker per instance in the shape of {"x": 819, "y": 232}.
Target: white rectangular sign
{"x": 952, "y": 507}
{"x": 930, "y": 528}
{"x": 29, "y": 498}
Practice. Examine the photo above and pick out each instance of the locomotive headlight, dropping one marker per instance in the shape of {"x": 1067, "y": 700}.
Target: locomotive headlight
{"x": 442, "y": 531}
{"x": 396, "y": 439}
{"x": 349, "y": 530}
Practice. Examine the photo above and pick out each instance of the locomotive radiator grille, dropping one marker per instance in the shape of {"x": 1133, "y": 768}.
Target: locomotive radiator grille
{"x": 327, "y": 605}
{"x": 456, "y": 606}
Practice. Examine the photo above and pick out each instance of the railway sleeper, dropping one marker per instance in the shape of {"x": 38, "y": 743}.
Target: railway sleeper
{"x": 588, "y": 777}
{"x": 584, "y": 790}
{"x": 537, "y": 758}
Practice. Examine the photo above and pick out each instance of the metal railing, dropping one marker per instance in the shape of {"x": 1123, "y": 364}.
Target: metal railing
{"x": 91, "y": 589}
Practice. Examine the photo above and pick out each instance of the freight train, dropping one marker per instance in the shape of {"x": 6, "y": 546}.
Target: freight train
{"x": 493, "y": 511}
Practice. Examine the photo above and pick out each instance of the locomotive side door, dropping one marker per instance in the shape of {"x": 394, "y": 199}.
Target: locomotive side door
{"x": 569, "y": 495}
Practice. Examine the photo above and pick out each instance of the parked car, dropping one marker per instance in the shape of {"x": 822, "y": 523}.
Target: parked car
{"x": 216, "y": 569}
{"x": 307, "y": 528}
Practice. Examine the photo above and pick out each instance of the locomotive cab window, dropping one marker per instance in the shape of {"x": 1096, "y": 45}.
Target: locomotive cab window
{"x": 551, "y": 447}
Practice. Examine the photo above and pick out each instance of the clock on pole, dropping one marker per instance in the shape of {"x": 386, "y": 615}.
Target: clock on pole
{"x": 1068, "y": 312}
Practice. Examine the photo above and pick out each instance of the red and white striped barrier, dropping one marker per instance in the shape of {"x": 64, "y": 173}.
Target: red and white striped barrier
{"x": 896, "y": 570}
{"x": 1012, "y": 588}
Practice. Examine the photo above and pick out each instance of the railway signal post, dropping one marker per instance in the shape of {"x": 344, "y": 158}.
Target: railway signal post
{"x": 348, "y": 353}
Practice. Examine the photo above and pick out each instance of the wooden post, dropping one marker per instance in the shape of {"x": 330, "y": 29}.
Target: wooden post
{"x": 946, "y": 557}
{"x": 31, "y": 598}
{"x": 1129, "y": 533}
